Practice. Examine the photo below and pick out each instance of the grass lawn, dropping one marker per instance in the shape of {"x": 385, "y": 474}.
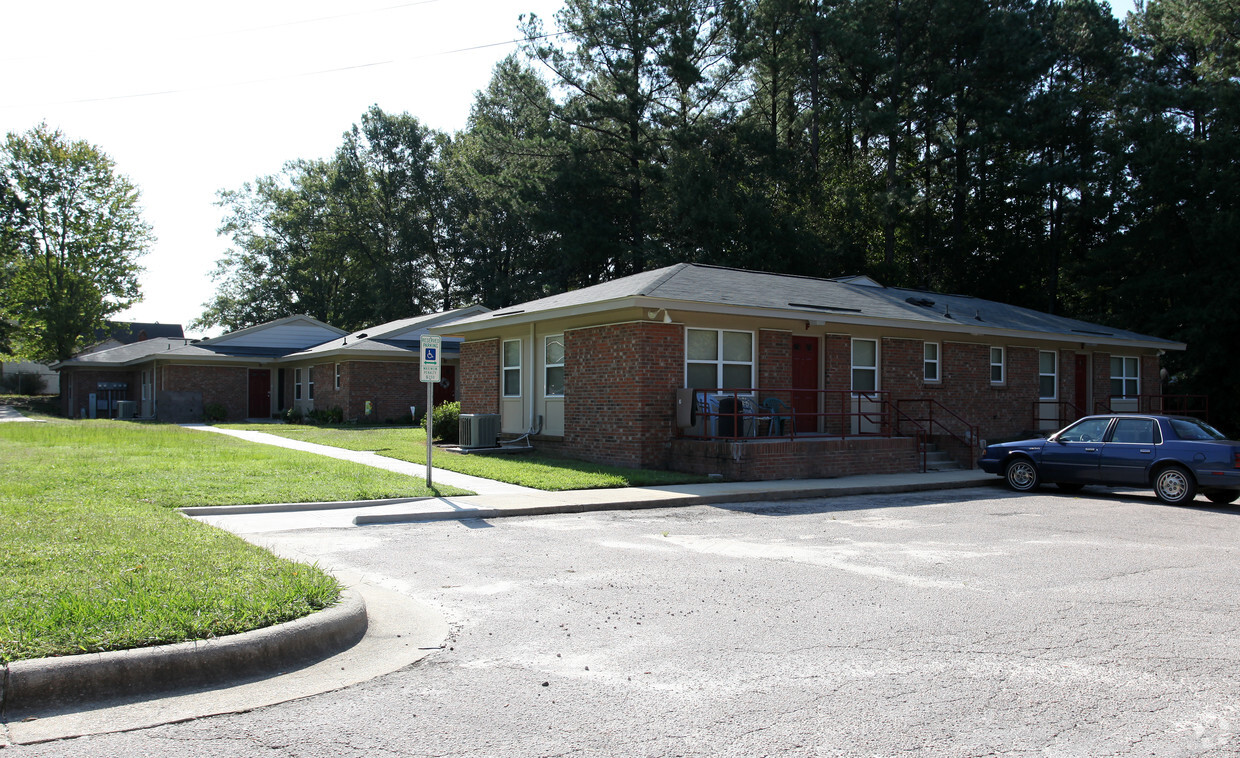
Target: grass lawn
{"x": 535, "y": 470}
{"x": 94, "y": 557}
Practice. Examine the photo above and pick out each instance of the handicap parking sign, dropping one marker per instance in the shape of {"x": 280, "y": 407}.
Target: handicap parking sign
{"x": 432, "y": 366}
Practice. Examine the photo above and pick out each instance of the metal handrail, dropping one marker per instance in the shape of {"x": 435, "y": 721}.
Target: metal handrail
{"x": 1062, "y": 418}
{"x": 970, "y": 440}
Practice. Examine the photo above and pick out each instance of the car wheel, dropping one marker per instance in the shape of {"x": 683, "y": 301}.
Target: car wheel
{"x": 1222, "y": 497}
{"x": 1021, "y": 475}
{"x": 1174, "y": 485}
{"x": 1069, "y": 486}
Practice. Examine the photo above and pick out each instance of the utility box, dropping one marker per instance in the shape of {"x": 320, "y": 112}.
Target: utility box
{"x": 126, "y": 409}
{"x": 479, "y": 430}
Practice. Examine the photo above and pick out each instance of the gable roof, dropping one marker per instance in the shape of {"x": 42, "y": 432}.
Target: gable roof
{"x": 395, "y": 338}
{"x": 852, "y": 300}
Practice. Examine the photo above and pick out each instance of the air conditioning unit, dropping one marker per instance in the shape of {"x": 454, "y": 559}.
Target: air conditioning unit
{"x": 479, "y": 430}
{"x": 126, "y": 409}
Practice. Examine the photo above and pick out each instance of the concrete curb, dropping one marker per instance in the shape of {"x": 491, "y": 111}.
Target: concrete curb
{"x": 225, "y": 510}
{"x": 668, "y": 501}
{"x": 56, "y": 682}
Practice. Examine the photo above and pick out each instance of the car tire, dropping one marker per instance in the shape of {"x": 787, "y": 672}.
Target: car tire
{"x": 1174, "y": 485}
{"x": 1021, "y": 475}
{"x": 1070, "y": 487}
{"x": 1222, "y": 497}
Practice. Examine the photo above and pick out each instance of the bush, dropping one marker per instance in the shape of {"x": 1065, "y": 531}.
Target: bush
{"x": 22, "y": 383}
{"x": 213, "y": 413}
{"x": 445, "y": 422}
{"x": 294, "y": 416}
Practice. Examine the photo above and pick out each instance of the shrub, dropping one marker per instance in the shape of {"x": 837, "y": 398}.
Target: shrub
{"x": 214, "y": 413}
{"x": 445, "y": 422}
{"x": 22, "y": 383}
{"x": 294, "y": 416}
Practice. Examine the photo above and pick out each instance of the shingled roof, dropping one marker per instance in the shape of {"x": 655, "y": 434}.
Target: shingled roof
{"x": 850, "y": 300}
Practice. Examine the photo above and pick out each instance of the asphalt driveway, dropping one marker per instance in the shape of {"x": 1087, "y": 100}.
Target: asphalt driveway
{"x": 965, "y": 623}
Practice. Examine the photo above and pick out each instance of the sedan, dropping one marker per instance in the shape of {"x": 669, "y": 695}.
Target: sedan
{"x": 1177, "y": 456}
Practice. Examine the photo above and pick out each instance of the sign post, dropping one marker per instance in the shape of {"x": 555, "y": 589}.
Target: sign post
{"x": 432, "y": 370}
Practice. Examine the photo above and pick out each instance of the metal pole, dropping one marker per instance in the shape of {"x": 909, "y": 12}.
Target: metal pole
{"x": 430, "y": 398}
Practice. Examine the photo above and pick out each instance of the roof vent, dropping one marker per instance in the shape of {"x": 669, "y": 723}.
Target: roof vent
{"x": 362, "y": 336}
{"x": 923, "y": 302}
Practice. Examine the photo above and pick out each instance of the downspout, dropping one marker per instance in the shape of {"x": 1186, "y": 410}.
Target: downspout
{"x": 529, "y": 421}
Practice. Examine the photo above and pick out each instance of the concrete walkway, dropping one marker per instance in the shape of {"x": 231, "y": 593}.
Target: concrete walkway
{"x": 9, "y": 413}
{"x": 438, "y": 476}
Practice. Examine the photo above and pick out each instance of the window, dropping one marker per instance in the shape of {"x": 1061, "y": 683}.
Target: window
{"x": 297, "y": 384}
{"x": 553, "y": 360}
{"x": 337, "y": 376}
{"x": 310, "y": 383}
{"x": 996, "y": 365}
{"x": 1048, "y": 379}
{"x": 146, "y": 386}
{"x": 512, "y": 368}
{"x": 864, "y": 365}
{"x": 718, "y": 359}
{"x": 1088, "y": 430}
{"x": 1125, "y": 377}
{"x": 931, "y": 361}
{"x": 1139, "y": 431}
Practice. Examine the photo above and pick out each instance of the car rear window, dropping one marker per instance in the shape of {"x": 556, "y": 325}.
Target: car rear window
{"x": 1139, "y": 431}
{"x": 1192, "y": 429}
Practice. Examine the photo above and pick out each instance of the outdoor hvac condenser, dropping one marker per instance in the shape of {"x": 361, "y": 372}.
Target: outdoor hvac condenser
{"x": 479, "y": 430}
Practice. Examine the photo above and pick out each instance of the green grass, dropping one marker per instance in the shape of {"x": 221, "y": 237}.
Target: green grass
{"x": 536, "y": 470}
{"x": 94, "y": 557}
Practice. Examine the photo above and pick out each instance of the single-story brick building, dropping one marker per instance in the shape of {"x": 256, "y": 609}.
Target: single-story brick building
{"x": 259, "y": 371}
{"x": 793, "y": 376}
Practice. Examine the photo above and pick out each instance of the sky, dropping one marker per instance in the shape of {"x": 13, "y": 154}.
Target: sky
{"x": 192, "y": 98}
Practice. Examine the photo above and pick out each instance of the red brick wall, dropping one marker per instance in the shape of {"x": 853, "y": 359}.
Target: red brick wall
{"x": 390, "y": 386}
{"x": 478, "y": 382}
{"x": 618, "y": 397}
{"x": 756, "y": 460}
{"x": 774, "y": 360}
{"x": 226, "y": 385}
{"x": 81, "y": 382}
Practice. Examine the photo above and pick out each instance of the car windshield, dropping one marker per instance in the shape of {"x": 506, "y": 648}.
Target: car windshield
{"x": 1192, "y": 429}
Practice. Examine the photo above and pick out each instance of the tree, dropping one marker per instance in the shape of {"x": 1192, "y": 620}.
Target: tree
{"x": 71, "y": 234}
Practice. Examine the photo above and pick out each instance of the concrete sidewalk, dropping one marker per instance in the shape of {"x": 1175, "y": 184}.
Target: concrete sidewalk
{"x": 438, "y": 476}
{"x": 9, "y": 413}
{"x": 256, "y": 519}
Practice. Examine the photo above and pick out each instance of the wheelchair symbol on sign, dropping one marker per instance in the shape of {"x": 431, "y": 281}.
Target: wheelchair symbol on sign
{"x": 430, "y": 355}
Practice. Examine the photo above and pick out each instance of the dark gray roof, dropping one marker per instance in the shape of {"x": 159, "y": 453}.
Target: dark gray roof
{"x": 855, "y": 299}
{"x": 126, "y": 332}
{"x": 395, "y": 338}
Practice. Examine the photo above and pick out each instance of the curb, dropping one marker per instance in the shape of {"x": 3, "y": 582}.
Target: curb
{"x": 683, "y": 501}
{"x": 55, "y": 682}
{"x": 225, "y": 510}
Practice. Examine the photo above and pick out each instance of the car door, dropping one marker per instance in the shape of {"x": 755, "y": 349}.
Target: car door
{"x": 1129, "y": 451}
{"x": 1073, "y": 455}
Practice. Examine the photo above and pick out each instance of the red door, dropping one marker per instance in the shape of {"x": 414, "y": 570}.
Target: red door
{"x": 445, "y": 388}
{"x": 260, "y": 393}
{"x": 805, "y": 383}
{"x": 1081, "y": 395}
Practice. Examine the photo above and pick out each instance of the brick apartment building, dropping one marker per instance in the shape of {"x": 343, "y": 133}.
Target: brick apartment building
{"x": 294, "y": 362}
{"x": 792, "y": 376}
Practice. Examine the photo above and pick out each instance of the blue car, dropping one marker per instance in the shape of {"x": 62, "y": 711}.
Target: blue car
{"x": 1177, "y": 456}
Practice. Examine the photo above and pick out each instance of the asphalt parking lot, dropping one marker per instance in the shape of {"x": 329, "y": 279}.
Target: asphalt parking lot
{"x": 964, "y": 623}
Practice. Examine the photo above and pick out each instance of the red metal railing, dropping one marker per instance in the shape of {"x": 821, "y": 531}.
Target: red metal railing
{"x": 756, "y": 412}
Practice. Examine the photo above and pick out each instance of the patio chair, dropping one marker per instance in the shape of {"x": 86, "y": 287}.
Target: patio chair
{"x": 780, "y": 416}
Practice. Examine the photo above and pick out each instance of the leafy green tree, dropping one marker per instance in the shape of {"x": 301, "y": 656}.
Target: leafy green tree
{"x": 71, "y": 234}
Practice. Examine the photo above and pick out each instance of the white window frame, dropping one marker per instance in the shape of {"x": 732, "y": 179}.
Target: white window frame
{"x": 337, "y": 376}
{"x": 1054, "y": 374}
{"x": 310, "y": 383}
{"x": 296, "y": 384}
{"x": 720, "y": 363}
{"x": 1124, "y": 378}
{"x": 1001, "y": 364}
{"x": 936, "y": 362}
{"x": 505, "y": 368}
{"x": 548, "y": 365}
{"x": 852, "y": 360}
{"x": 146, "y": 386}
